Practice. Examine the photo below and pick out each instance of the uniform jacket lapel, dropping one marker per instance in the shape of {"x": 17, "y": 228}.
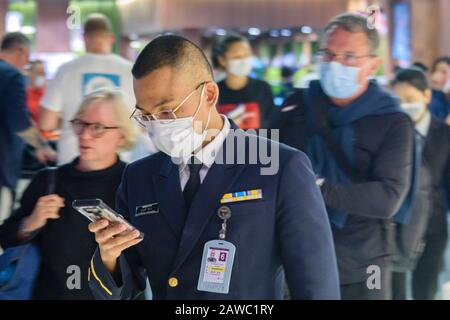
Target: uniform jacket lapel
{"x": 169, "y": 195}
{"x": 219, "y": 179}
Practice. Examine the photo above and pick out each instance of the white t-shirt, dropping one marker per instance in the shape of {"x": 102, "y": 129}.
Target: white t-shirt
{"x": 76, "y": 79}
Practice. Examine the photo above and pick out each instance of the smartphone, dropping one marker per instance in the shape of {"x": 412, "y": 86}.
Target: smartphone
{"x": 96, "y": 209}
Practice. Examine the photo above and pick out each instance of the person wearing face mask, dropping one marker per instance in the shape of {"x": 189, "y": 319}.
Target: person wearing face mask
{"x": 34, "y": 92}
{"x": 440, "y": 83}
{"x": 247, "y": 101}
{"x": 203, "y": 200}
{"x": 361, "y": 147}
{"x": 412, "y": 88}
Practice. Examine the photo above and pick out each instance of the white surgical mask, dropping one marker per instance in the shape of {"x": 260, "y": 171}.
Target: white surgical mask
{"x": 414, "y": 109}
{"x": 178, "y": 138}
{"x": 339, "y": 81}
{"x": 240, "y": 67}
{"x": 39, "y": 82}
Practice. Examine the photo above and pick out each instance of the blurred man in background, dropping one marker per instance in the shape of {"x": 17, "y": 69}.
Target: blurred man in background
{"x": 15, "y": 122}
{"x": 361, "y": 147}
{"x": 99, "y": 68}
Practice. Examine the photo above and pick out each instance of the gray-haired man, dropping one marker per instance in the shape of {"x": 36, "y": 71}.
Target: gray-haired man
{"x": 360, "y": 144}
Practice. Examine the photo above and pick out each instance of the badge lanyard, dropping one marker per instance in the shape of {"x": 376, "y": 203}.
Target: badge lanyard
{"x": 217, "y": 260}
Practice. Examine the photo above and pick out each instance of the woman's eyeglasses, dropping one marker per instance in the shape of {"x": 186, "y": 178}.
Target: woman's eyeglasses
{"x": 97, "y": 130}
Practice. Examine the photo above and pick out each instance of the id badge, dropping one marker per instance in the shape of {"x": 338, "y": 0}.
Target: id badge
{"x": 216, "y": 267}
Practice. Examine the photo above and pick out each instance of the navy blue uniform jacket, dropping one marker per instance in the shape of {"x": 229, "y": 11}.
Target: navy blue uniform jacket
{"x": 285, "y": 232}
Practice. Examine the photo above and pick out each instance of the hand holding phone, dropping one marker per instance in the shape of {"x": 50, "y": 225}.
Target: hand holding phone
{"x": 112, "y": 232}
{"x": 96, "y": 209}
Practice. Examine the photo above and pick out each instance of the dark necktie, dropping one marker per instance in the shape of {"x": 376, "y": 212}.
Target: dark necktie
{"x": 193, "y": 183}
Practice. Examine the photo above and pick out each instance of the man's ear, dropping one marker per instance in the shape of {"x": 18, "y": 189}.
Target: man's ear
{"x": 428, "y": 96}
{"x": 112, "y": 38}
{"x": 211, "y": 93}
{"x": 375, "y": 64}
{"x": 370, "y": 70}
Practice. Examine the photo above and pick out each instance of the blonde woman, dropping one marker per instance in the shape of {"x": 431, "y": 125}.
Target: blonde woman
{"x": 103, "y": 130}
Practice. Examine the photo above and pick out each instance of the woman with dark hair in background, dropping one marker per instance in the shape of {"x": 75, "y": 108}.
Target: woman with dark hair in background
{"x": 440, "y": 83}
{"x": 412, "y": 87}
{"x": 245, "y": 100}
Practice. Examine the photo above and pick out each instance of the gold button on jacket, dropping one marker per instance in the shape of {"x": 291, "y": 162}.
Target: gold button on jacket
{"x": 173, "y": 282}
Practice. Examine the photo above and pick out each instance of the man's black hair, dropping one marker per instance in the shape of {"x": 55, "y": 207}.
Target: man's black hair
{"x": 412, "y": 76}
{"x": 172, "y": 51}
{"x": 14, "y": 40}
{"x": 420, "y": 65}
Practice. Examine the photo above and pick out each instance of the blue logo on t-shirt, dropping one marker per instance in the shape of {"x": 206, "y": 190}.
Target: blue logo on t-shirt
{"x": 96, "y": 81}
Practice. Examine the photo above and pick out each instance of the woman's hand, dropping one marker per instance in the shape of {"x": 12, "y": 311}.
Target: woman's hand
{"x": 47, "y": 207}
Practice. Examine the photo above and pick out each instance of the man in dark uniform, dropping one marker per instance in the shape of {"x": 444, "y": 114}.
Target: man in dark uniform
{"x": 217, "y": 224}
{"x": 360, "y": 144}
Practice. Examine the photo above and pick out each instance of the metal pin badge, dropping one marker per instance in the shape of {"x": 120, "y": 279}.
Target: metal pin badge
{"x": 224, "y": 213}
